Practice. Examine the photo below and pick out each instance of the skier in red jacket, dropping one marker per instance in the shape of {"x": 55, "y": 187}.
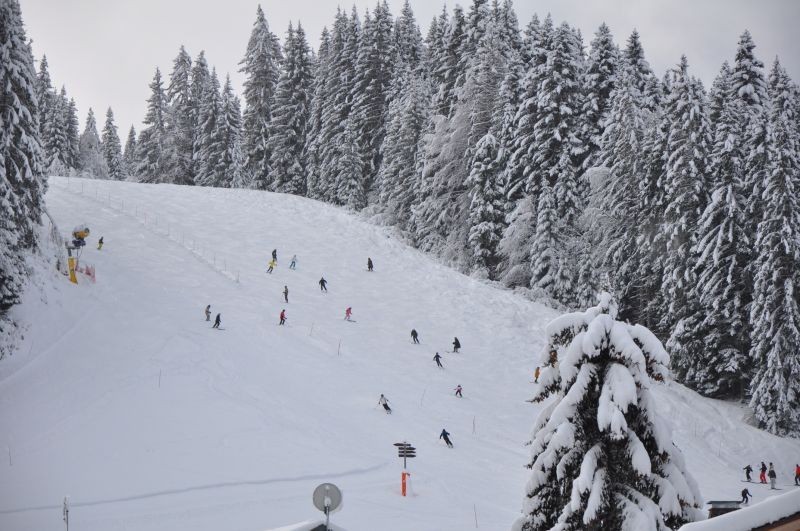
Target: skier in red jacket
{"x": 347, "y": 313}
{"x": 283, "y": 317}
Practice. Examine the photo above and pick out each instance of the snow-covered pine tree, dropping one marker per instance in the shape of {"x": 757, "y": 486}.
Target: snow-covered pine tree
{"x": 642, "y": 74}
{"x": 453, "y": 39}
{"x": 151, "y": 154}
{"x": 349, "y": 170}
{"x": 44, "y": 97}
{"x": 73, "y": 134}
{"x": 226, "y": 136}
{"x": 408, "y": 45}
{"x": 291, "y": 116}
{"x": 21, "y": 181}
{"x": 92, "y": 162}
{"x": 717, "y": 341}
{"x": 602, "y": 457}
{"x": 261, "y": 67}
{"x": 57, "y": 142}
{"x": 200, "y": 80}
{"x": 598, "y": 83}
{"x": 686, "y": 191}
{"x": 775, "y": 315}
{"x": 207, "y": 146}
{"x": 486, "y": 208}
{"x": 129, "y": 156}
{"x": 719, "y": 93}
{"x": 180, "y": 128}
{"x": 319, "y": 102}
{"x": 112, "y": 148}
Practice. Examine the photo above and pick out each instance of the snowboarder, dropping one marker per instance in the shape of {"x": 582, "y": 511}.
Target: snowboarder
{"x": 797, "y": 474}
{"x": 208, "y": 312}
{"x": 100, "y": 243}
{"x": 746, "y": 496}
{"x": 458, "y": 391}
{"x": 275, "y": 255}
{"x": 763, "y": 475}
{"x": 347, "y": 313}
{"x": 272, "y": 264}
{"x": 293, "y": 263}
{"x": 217, "y": 321}
{"x": 369, "y": 264}
{"x": 286, "y": 294}
{"x": 772, "y": 476}
{"x": 456, "y": 345}
{"x": 382, "y": 401}
{"x": 323, "y": 285}
{"x": 747, "y": 471}
{"x": 437, "y": 358}
{"x": 414, "y": 336}
{"x": 536, "y": 374}
{"x": 283, "y": 317}
{"x": 446, "y": 436}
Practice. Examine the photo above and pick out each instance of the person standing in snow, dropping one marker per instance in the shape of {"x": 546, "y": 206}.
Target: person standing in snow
{"x": 369, "y": 264}
{"x": 286, "y": 294}
{"x": 283, "y": 317}
{"x": 438, "y": 359}
{"x": 446, "y": 436}
{"x": 797, "y": 474}
{"x": 348, "y": 313}
{"x": 293, "y": 263}
{"x": 763, "y": 475}
{"x": 217, "y": 321}
{"x": 323, "y": 285}
{"x": 382, "y": 401}
{"x": 100, "y": 243}
{"x": 746, "y": 496}
{"x": 414, "y": 336}
{"x": 772, "y": 476}
{"x": 456, "y": 345}
{"x": 272, "y": 264}
{"x": 747, "y": 471}
{"x": 536, "y": 374}
{"x": 458, "y": 391}
{"x": 275, "y": 255}
{"x": 208, "y": 312}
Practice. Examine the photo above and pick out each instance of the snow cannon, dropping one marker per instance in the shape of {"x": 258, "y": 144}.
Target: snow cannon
{"x": 79, "y": 235}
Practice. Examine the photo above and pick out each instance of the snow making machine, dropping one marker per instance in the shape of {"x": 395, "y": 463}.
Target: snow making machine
{"x": 79, "y": 235}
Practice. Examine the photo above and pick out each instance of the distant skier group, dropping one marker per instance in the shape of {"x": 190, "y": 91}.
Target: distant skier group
{"x": 764, "y": 474}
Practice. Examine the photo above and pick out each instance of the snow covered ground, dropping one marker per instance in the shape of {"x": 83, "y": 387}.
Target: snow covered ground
{"x": 123, "y": 398}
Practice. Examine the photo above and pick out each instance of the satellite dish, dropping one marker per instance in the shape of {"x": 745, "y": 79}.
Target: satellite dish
{"x": 327, "y": 497}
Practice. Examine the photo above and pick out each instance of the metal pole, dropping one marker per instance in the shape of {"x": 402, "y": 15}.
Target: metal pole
{"x": 475, "y": 510}
{"x": 327, "y": 519}
{"x": 339, "y": 350}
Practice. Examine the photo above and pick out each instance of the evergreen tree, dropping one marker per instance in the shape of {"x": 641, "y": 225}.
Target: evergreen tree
{"x": 348, "y": 170}
{"x": 719, "y": 93}
{"x": 454, "y": 38}
{"x": 602, "y": 458}
{"x": 207, "y": 145}
{"x": 598, "y": 83}
{"x": 91, "y": 159}
{"x": 319, "y": 102}
{"x": 774, "y": 315}
{"x": 200, "y": 78}
{"x": 180, "y": 127}
{"x": 290, "y": 121}
{"x": 44, "y": 96}
{"x": 57, "y": 143}
{"x": 112, "y": 148}
{"x": 151, "y": 154}
{"x": 73, "y": 134}
{"x": 486, "y": 205}
{"x": 129, "y": 157}
{"x": 261, "y": 67}
{"x": 21, "y": 182}
{"x": 407, "y": 40}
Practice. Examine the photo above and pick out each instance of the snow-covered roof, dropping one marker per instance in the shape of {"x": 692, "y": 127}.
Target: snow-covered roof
{"x": 760, "y": 514}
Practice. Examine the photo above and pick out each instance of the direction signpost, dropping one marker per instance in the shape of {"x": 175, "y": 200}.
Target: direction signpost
{"x": 406, "y": 451}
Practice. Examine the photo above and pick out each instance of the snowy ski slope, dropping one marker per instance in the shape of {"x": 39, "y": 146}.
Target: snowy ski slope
{"x": 123, "y": 398}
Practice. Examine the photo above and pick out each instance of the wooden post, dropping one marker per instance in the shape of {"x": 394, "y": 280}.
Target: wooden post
{"x": 339, "y": 350}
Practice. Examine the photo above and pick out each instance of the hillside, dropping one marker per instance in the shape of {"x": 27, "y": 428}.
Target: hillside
{"x": 124, "y": 398}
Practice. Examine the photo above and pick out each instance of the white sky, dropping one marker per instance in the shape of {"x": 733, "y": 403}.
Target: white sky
{"x": 105, "y": 51}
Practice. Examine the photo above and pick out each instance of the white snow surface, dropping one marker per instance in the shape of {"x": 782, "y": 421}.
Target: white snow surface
{"x": 747, "y": 518}
{"x": 248, "y": 420}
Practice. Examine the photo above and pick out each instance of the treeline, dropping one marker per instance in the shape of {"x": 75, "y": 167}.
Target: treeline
{"x": 524, "y": 157}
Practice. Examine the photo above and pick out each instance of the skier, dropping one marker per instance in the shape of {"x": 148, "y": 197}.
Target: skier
{"x": 283, "y": 317}
{"x": 763, "y": 475}
{"x": 286, "y": 294}
{"x": 100, "y": 243}
{"x": 772, "y": 476}
{"x": 369, "y": 264}
{"x": 456, "y": 345}
{"x": 437, "y": 358}
{"x": 217, "y": 321}
{"x": 746, "y": 496}
{"x": 414, "y": 336}
{"x": 347, "y": 313}
{"x": 747, "y": 471}
{"x": 272, "y": 264}
{"x": 275, "y": 255}
{"x": 382, "y": 401}
{"x": 446, "y": 436}
{"x": 323, "y": 285}
{"x": 536, "y": 374}
{"x": 796, "y": 474}
{"x": 458, "y": 391}
{"x": 293, "y": 263}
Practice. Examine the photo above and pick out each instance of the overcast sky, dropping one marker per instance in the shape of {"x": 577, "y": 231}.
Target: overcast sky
{"x": 105, "y": 51}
